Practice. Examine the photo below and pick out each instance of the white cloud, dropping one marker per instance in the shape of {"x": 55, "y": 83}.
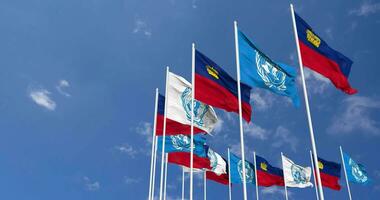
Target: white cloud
{"x": 127, "y": 149}
{"x": 142, "y": 27}
{"x": 62, "y": 84}
{"x": 328, "y": 32}
{"x": 283, "y": 137}
{"x": 218, "y": 126}
{"x": 274, "y": 191}
{"x": 91, "y": 185}
{"x": 366, "y": 8}
{"x": 41, "y": 97}
{"x": 261, "y": 100}
{"x": 129, "y": 180}
{"x": 145, "y": 129}
{"x": 255, "y": 131}
{"x": 316, "y": 83}
{"x": 356, "y": 115}
{"x": 194, "y": 4}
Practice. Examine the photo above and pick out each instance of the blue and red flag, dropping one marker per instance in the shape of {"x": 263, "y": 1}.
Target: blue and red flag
{"x": 320, "y": 57}
{"x": 330, "y": 173}
{"x": 172, "y": 127}
{"x": 267, "y": 175}
{"x": 213, "y": 86}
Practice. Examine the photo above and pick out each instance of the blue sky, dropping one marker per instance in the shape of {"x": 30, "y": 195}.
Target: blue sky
{"x": 77, "y": 88}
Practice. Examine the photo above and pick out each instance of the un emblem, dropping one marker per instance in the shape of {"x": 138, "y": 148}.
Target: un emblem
{"x": 272, "y": 77}
{"x": 249, "y": 173}
{"x": 180, "y": 142}
{"x": 213, "y": 159}
{"x": 299, "y": 174}
{"x": 357, "y": 172}
{"x": 200, "y": 109}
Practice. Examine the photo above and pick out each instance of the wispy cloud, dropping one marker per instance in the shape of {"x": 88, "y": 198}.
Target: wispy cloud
{"x": 255, "y": 131}
{"x": 271, "y": 191}
{"x": 355, "y": 114}
{"x": 91, "y": 185}
{"x": 127, "y": 149}
{"x": 62, "y": 85}
{"x": 261, "y": 100}
{"x": 317, "y": 84}
{"x": 218, "y": 126}
{"x": 194, "y": 4}
{"x": 130, "y": 180}
{"x": 42, "y": 98}
{"x": 142, "y": 28}
{"x": 145, "y": 129}
{"x": 283, "y": 137}
{"x": 366, "y": 8}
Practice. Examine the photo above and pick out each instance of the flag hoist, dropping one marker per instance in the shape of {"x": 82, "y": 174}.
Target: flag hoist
{"x": 310, "y": 123}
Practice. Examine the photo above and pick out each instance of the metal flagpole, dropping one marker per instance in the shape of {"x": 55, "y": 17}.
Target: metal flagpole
{"x": 166, "y": 174}
{"x": 154, "y": 166}
{"x": 229, "y": 175}
{"x": 153, "y": 145}
{"x": 286, "y": 190}
{"x": 163, "y": 134}
{"x": 314, "y": 148}
{"x": 192, "y": 119}
{"x": 315, "y": 179}
{"x": 345, "y": 173}
{"x": 256, "y": 178}
{"x": 240, "y": 110}
{"x": 204, "y": 186}
{"x": 183, "y": 184}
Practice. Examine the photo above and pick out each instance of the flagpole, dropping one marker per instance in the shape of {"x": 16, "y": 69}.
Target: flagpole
{"x": 166, "y": 174}
{"x": 240, "y": 110}
{"x": 286, "y": 191}
{"x": 256, "y": 178}
{"x": 192, "y": 119}
{"x": 164, "y": 134}
{"x": 345, "y": 172}
{"x": 183, "y": 184}
{"x": 315, "y": 179}
{"x": 204, "y": 186}
{"x": 153, "y": 144}
{"x": 314, "y": 148}
{"x": 229, "y": 176}
{"x": 154, "y": 166}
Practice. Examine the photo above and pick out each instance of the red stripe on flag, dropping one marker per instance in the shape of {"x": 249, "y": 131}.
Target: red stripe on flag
{"x": 329, "y": 181}
{"x": 174, "y": 127}
{"x": 267, "y": 180}
{"x": 326, "y": 67}
{"x": 223, "y": 178}
{"x": 183, "y": 158}
{"x": 211, "y": 93}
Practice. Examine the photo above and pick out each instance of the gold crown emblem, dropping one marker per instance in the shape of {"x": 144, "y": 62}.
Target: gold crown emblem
{"x": 312, "y": 38}
{"x": 212, "y": 71}
{"x": 263, "y": 166}
{"x": 320, "y": 165}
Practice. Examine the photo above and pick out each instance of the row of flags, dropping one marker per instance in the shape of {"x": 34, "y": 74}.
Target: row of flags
{"x": 292, "y": 174}
{"x": 181, "y": 110}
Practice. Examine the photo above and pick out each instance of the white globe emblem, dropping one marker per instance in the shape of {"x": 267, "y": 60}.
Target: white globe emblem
{"x": 180, "y": 142}
{"x": 357, "y": 172}
{"x": 299, "y": 174}
{"x": 200, "y": 109}
{"x": 272, "y": 77}
{"x": 249, "y": 173}
{"x": 213, "y": 159}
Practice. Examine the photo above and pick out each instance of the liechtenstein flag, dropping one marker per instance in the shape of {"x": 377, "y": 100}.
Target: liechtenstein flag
{"x": 172, "y": 127}
{"x": 319, "y": 56}
{"x": 330, "y": 173}
{"x": 213, "y": 86}
{"x": 267, "y": 175}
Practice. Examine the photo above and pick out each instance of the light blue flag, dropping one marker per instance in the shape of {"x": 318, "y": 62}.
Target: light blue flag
{"x": 237, "y": 170}
{"x": 355, "y": 172}
{"x": 258, "y": 70}
{"x": 181, "y": 143}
